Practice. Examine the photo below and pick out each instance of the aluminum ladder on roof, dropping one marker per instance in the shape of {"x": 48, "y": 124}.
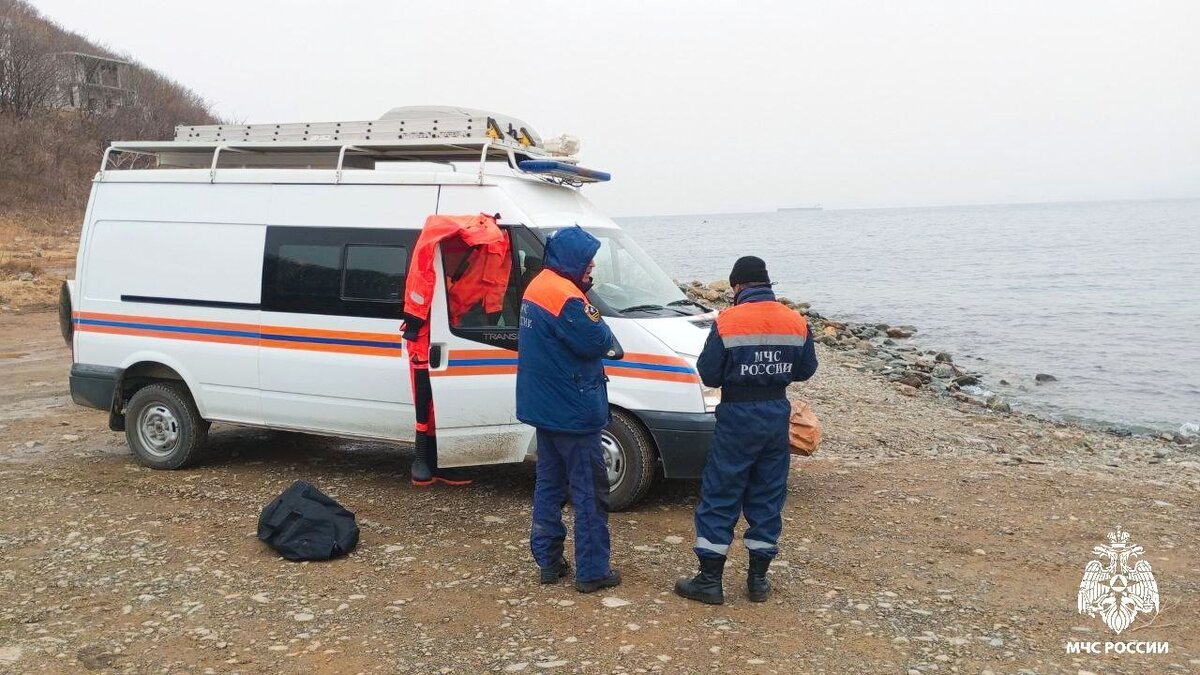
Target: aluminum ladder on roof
{"x": 459, "y": 128}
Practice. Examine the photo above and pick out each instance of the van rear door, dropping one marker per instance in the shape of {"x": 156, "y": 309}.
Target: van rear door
{"x": 473, "y": 367}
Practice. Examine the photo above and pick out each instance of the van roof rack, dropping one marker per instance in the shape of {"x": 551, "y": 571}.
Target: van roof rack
{"x": 429, "y": 134}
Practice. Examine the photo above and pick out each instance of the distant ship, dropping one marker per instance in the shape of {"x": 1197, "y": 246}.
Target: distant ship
{"x": 814, "y": 207}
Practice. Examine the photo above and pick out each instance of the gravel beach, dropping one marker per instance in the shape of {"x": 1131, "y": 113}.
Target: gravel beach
{"x": 928, "y": 534}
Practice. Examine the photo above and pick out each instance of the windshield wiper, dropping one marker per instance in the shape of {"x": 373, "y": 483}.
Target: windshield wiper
{"x": 687, "y": 301}
{"x": 641, "y": 308}
{"x": 652, "y": 308}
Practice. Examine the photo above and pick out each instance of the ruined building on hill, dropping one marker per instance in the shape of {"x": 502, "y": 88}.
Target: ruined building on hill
{"x": 95, "y": 84}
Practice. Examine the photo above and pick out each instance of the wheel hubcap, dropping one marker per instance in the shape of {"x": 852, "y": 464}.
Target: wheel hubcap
{"x": 614, "y": 459}
{"x": 158, "y": 429}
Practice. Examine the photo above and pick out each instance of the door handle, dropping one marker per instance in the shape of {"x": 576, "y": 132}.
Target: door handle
{"x": 436, "y": 352}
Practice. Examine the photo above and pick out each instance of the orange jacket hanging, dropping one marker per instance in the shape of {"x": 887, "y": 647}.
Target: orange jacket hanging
{"x": 483, "y": 279}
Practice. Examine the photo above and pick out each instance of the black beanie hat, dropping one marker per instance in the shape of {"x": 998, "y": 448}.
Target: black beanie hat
{"x": 748, "y": 270}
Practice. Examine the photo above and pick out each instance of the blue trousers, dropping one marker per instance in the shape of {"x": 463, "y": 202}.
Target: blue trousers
{"x": 746, "y": 474}
{"x": 571, "y": 463}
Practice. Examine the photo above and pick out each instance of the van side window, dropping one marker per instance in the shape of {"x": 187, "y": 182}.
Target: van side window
{"x": 308, "y": 270}
{"x": 498, "y": 329}
{"x": 375, "y": 273}
{"x": 340, "y": 271}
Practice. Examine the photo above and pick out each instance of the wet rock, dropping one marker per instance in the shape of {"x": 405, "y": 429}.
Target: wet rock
{"x": 1044, "y": 377}
{"x": 897, "y": 332}
{"x": 998, "y": 404}
{"x": 966, "y": 380}
{"x": 943, "y": 371}
{"x": 943, "y": 357}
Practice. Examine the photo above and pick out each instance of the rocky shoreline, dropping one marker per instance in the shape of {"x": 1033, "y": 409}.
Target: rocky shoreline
{"x": 910, "y": 368}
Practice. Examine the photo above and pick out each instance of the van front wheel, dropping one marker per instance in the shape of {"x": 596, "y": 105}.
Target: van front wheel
{"x": 628, "y": 458}
{"x": 163, "y": 427}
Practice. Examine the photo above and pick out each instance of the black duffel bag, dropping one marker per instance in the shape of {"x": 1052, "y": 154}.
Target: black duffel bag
{"x": 304, "y": 523}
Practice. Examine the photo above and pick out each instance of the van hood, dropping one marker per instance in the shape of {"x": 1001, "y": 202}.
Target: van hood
{"x": 682, "y": 335}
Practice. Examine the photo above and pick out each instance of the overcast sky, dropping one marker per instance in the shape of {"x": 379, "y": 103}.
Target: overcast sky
{"x": 700, "y": 107}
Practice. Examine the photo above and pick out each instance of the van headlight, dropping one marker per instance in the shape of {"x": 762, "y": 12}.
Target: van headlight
{"x": 712, "y": 395}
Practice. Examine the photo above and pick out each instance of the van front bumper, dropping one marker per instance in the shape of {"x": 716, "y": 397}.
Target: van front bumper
{"x": 683, "y": 440}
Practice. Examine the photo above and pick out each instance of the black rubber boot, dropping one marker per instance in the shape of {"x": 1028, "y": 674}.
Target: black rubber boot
{"x": 611, "y": 581}
{"x": 758, "y": 587}
{"x": 556, "y": 571}
{"x": 422, "y": 473}
{"x": 705, "y": 586}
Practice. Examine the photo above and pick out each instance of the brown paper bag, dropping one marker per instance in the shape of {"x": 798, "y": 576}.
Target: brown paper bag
{"x": 804, "y": 430}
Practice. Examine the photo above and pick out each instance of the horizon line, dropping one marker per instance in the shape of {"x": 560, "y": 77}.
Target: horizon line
{"x": 921, "y": 206}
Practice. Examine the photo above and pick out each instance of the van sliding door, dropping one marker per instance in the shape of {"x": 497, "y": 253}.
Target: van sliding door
{"x": 335, "y": 262}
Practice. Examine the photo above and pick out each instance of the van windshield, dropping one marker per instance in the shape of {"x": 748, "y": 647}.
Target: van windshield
{"x": 627, "y": 282}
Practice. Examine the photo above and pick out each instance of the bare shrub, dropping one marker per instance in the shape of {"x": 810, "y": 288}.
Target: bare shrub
{"x": 48, "y": 155}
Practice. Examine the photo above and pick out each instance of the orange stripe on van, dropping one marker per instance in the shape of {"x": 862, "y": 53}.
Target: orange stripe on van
{"x": 226, "y": 325}
{"x": 165, "y": 321}
{"x": 142, "y": 332}
{"x": 274, "y": 337}
{"x": 657, "y": 358}
{"x": 336, "y": 349}
{"x": 638, "y": 373}
{"x": 483, "y": 354}
{"x": 461, "y": 371}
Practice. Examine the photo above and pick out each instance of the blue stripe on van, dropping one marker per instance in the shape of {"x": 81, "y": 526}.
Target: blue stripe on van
{"x": 171, "y": 329}
{"x": 649, "y": 366}
{"x": 331, "y": 341}
{"x": 240, "y": 333}
{"x": 483, "y": 362}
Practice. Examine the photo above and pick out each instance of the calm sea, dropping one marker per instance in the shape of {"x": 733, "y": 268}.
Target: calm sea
{"x": 1105, "y": 296}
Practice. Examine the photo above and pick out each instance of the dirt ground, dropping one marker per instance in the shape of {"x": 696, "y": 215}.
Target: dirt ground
{"x": 923, "y": 538}
{"x": 36, "y": 254}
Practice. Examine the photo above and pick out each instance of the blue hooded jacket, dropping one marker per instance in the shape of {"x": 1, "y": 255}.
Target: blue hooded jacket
{"x": 561, "y": 384}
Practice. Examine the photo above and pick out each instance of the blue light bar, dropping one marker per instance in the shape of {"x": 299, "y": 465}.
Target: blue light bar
{"x": 549, "y": 167}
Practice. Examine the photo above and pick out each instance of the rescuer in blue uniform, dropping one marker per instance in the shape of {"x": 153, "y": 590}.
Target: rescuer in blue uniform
{"x": 754, "y": 351}
{"x": 562, "y": 391}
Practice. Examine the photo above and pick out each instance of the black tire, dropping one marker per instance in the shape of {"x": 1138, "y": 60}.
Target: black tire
{"x": 65, "y": 324}
{"x": 163, "y": 427}
{"x": 625, "y": 437}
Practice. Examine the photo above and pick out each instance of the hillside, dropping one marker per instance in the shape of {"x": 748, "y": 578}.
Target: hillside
{"x": 62, "y": 99}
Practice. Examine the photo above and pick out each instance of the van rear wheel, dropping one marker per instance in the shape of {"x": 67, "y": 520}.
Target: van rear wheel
{"x": 163, "y": 427}
{"x": 629, "y": 459}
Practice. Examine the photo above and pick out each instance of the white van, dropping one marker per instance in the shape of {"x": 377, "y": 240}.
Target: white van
{"x": 254, "y": 275}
